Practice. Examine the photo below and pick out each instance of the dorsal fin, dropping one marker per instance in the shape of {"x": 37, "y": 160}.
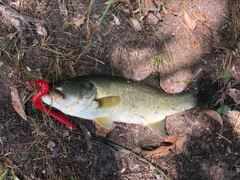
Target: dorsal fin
{"x": 152, "y": 79}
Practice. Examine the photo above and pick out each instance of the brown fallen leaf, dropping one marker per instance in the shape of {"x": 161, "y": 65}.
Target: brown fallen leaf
{"x": 237, "y": 130}
{"x": 152, "y": 19}
{"x": 177, "y": 143}
{"x": 8, "y": 162}
{"x": 161, "y": 151}
{"x": 90, "y": 31}
{"x": 87, "y": 136}
{"x": 190, "y": 23}
{"x": 147, "y": 5}
{"x": 1, "y": 142}
{"x": 63, "y": 8}
{"x": 234, "y": 119}
{"x": 196, "y": 45}
{"x": 96, "y": 16}
{"x": 65, "y": 133}
{"x": 226, "y": 44}
{"x": 51, "y": 145}
{"x": 16, "y": 102}
{"x": 159, "y": 16}
{"x": 79, "y": 21}
{"x": 136, "y": 24}
{"x": 13, "y": 16}
{"x": 202, "y": 17}
{"x": 41, "y": 30}
{"x": 215, "y": 115}
{"x": 181, "y": 139}
{"x": 173, "y": 139}
{"x": 216, "y": 38}
{"x": 235, "y": 95}
{"x": 116, "y": 20}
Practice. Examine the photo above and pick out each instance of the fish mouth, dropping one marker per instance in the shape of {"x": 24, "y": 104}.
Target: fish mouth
{"x": 54, "y": 95}
{"x": 57, "y": 93}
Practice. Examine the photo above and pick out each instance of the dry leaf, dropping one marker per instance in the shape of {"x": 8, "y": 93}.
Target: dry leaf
{"x": 51, "y": 145}
{"x": 234, "y": 119}
{"x": 235, "y": 95}
{"x": 196, "y": 45}
{"x": 63, "y": 8}
{"x": 216, "y": 38}
{"x": 177, "y": 143}
{"x": 17, "y": 4}
{"x": 152, "y": 19}
{"x": 165, "y": 10}
{"x": 41, "y": 30}
{"x": 215, "y": 115}
{"x": 16, "y": 102}
{"x": 181, "y": 139}
{"x": 13, "y": 16}
{"x": 87, "y": 136}
{"x": 66, "y": 133}
{"x": 146, "y": 5}
{"x": 1, "y": 142}
{"x": 237, "y": 130}
{"x": 190, "y": 23}
{"x": 202, "y": 17}
{"x": 95, "y": 16}
{"x": 90, "y": 31}
{"x": 161, "y": 151}
{"x": 12, "y": 35}
{"x": 159, "y": 16}
{"x": 173, "y": 139}
{"x": 226, "y": 44}
{"x": 8, "y": 162}
{"x": 136, "y": 24}
{"x": 116, "y": 20}
{"x": 79, "y": 21}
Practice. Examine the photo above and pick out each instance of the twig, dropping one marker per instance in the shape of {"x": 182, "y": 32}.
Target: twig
{"x": 114, "y": 145}
{"x": 95, "y": 59}
{"x": 224, "y": 138}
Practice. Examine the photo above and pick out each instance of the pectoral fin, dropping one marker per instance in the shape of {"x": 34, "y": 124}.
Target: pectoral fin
{"x": 104, "y": 122}
{"x": 158, "y": 127}
{"x": 101, "y": 131}
{"x": 108, "y": 102}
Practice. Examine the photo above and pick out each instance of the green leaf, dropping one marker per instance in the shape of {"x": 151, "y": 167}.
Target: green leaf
{"x": 225, "y": 76}
{"x": 223, "y": 110}
{"x": 2, "y": 177}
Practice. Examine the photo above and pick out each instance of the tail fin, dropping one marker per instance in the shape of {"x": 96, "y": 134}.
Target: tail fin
{"x": 205, "y": 90}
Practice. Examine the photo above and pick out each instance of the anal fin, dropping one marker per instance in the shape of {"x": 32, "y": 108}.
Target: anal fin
{"x": 104, "y": 122}
{"x": 101, "y": 131}
{"x": 157, "y": 127}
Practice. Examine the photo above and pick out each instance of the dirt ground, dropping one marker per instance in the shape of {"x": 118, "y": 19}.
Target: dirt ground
{"x": 54, "y": 40}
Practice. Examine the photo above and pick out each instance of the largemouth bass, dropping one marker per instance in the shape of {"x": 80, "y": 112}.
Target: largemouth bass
{"x": 108, "y": 99}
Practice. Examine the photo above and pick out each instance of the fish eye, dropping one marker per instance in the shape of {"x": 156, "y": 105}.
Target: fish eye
{"x": 57, "y": 84}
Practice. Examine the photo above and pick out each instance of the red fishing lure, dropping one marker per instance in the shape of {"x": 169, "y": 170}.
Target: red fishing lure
{"x": 36, "y": 101}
